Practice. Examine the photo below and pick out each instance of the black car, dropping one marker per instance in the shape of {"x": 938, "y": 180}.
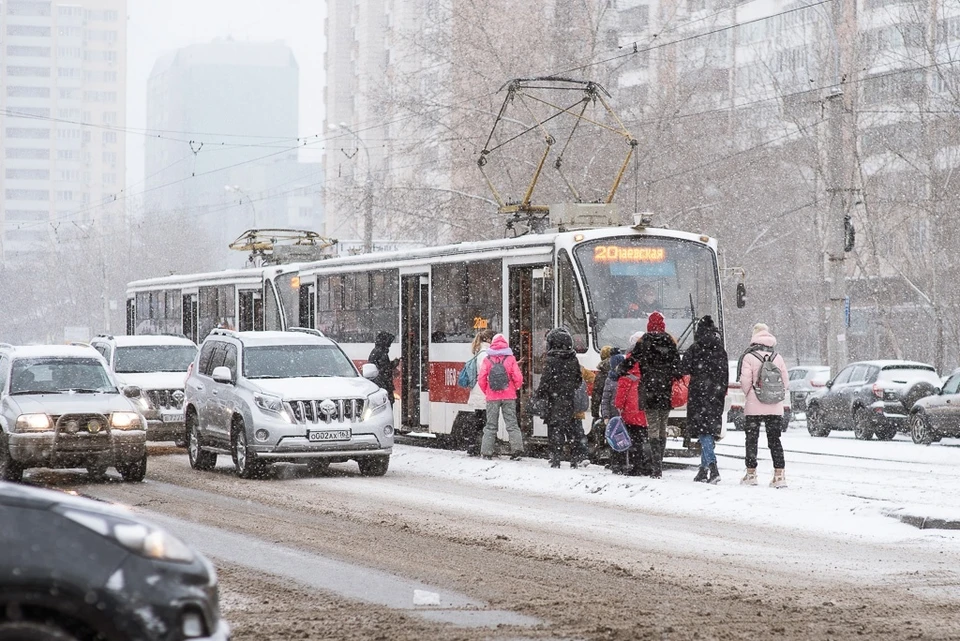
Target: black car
{"x": 73, "y": 569}
{"x": 937, "y": 416}
{"x": 872, "y": 398}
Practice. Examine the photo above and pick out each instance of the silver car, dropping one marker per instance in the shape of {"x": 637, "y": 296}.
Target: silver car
{"x": 61, "y": 408}
{"x": 266, "y": 397}
{"x": 804, "y": 381}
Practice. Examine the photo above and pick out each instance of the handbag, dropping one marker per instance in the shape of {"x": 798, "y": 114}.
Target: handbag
{"x": 616, "y": 435}
{"x": 680, "y": 392}
{"x": 581, "y": 400}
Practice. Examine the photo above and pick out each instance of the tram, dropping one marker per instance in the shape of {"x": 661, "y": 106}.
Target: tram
{"x": 434, "y": 300}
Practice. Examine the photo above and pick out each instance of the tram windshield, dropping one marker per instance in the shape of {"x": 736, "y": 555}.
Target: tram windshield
{"x": 629, "y": 277}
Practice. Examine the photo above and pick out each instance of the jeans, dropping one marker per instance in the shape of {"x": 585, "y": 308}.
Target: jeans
{"x": 707, "y": 453}
{"x": 773, "y": 425}
{"x": 509, "y": 408}
{"x": 567, "y": 432}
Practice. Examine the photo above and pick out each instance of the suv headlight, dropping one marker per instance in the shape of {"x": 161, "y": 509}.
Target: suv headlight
{"x": 376, "y": 403}
{"x": 272, "y": 404}
{"x": 33, "y": 423}
{"x": 139, "y": 538}
{"x": 125, "y": 421}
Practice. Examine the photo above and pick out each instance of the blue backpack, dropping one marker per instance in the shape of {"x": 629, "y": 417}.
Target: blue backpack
{"x": 468, "y": 375}
{"x": 617, "y": 437}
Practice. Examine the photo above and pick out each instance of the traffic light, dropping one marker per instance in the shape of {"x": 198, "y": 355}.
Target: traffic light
{"x": 741, "y": 295}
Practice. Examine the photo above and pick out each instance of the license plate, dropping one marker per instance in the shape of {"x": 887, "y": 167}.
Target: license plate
{"x": 171, "y": 417}
{"x": 328, "y": 435}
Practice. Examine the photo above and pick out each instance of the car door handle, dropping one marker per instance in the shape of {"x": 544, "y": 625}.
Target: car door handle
{"x": 216, "y": 392}
{"x": 199, "y": 387}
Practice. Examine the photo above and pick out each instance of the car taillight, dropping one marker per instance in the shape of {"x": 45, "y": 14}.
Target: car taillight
{"x": 189, "y": 370}
{"x": 817, "y": 384}
{"x": 877, "y": 391}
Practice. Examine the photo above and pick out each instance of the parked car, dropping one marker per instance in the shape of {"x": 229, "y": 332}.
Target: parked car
{"x": 75, "y": 570}
{"x": 871, "y": 398}
{"x": 937, "y": 416}
{"x": 61, "y": 408}
{"x": 804, "y": 380}
{"x": 737, "y": 399}
{"x": 158, "y": 366}
{"x": 267, "y": 397}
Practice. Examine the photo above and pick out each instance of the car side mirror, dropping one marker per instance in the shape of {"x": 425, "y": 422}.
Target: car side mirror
{"x": 222, "y": 374}
{"x": 829, "y": 383}
{"x": 370, "y": 371}
{"x": 132, "y": 391}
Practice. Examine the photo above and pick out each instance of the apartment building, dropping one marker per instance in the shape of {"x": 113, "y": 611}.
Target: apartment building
{"x": 62, "y": 116}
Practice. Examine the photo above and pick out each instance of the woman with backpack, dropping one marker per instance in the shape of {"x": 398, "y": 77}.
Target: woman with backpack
{"x": 659, "y": 361}
{"x": 473, "y": 433}
{"x": 758, "y": 371}
{"x": 558, "y": 385}
{"x": 634, "y": 418}
{"x": 706, "y": 363}
{"x": 500, "y": 378}
{"x": 608, "y": 410}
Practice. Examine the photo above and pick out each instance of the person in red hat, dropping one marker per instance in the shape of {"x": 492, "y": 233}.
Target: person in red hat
{"x": 659, "y": 360}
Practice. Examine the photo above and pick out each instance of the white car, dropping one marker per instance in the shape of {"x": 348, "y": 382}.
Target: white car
{"x": 737, "y": 400}
{"x": 158, "y": 366}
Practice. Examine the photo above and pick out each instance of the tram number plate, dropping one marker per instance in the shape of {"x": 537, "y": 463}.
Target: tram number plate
{"x": 328, "y": 435}
{"x": 171, "y": 417}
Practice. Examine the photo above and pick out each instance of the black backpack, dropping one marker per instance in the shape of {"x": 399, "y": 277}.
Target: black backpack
{"x": 498, "y": 379}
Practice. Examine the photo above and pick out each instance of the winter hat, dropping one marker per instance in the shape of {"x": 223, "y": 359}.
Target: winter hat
{"x": 655, "y": 323}
{"x": 615, "y": 361}
{"x": 559, "y": 338}
{"x": 705, "y": 327}
{"x": 605, "y": 352}
{"x": 760, "y": 327}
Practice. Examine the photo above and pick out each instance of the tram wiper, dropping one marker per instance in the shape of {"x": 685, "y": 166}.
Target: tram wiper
{"x": 693, "y": 322}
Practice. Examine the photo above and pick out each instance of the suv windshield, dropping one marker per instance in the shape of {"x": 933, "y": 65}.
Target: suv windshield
{"x": 54, "y": 375}
{"x": 296, "y": 361}
{"x": 154, "y": 358}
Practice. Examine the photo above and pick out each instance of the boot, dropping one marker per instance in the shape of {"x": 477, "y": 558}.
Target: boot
{"x": 701, "y": 476}
{"x": 714, "y": 474}
{"x": 656, "y": 463}
{"x": 779, "y": 479}
{"x": 750, "y": 478}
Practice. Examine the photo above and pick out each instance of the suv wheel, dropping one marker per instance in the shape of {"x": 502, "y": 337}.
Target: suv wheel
{"x": 920, "y": 429}
{"x": 374, "y": 465}
{"x": 248, "y": 467}
{"x": 20, "y": 630}
{"x": 97, "y": 471}
{"x": 134, "y": 472}
{"x": 862, "y": 425}
{"x": 886, "y": 433}
{"x": 816, "y": 423}
{"x": 199, "y": 459}
{"x": 10, "y": 470}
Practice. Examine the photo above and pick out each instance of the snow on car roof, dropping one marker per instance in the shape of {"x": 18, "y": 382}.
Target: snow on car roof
{"x": 48, "y": 351}
{"x": 884, "y": 364}
{"x": 278, "y": 338}
{"x": 130, "y": 341}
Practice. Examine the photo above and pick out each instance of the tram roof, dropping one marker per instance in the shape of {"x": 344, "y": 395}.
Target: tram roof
{"x": 252, "y": 274}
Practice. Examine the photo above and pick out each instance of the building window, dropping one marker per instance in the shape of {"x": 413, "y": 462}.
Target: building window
{"x": 27, "y": 194}
{"x": 109, "y": 137}
{"x": 29, "y": 72}
{"x": 28, "y": 92}
{"x": 25, "y": 215}
{"x": 15, "y": 153}
{"x": 31, "y": 134}
{"x": 110, "y": 157}
{"x": 69, "y": 32}
{"x": 65, "y": 196}
{"x": 28, "y": 174}
{"x": 69, "y": 94}
{"x": 28, "y": 52}
{"x": 110, "y": 179}
{"x": 24, "y": 8}
{"x": 69, "y": 155}
{"x": 109, "y": 117}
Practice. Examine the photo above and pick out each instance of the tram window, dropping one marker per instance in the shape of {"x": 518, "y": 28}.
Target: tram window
{"x": 358, "y": 305}
{"x": 466, "y": 297}
{"x": 572, "y": 314}
{"x": 288, "y": 287}
{"x": 271, "y": 312}
{"x": 323, "y": 294}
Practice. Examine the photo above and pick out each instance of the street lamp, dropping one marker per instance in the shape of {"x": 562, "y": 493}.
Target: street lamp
{"x": 243, "y": 194}
{"x": 368, "y": 190}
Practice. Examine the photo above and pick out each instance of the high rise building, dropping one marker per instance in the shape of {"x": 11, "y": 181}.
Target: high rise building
{"x": 232, "y": 164}
{"x": 62, "y": 116}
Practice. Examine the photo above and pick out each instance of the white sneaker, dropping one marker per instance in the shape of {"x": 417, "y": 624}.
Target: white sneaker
{"x": 779, "y": 480}
{"x": 750, "y": 478}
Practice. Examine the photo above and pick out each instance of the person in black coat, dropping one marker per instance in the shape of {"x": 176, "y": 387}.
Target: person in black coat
{"x": 380, "y": 356}
{"x": 706, "y": 363}
{"x": 558, "y": 385}
{"x": 659, "y": 359}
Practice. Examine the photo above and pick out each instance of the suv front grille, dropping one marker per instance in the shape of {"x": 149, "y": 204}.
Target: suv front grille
{"x": 166, "y": 399}
{"x": 327, "y": 410}
{"x": 82, "y": 432}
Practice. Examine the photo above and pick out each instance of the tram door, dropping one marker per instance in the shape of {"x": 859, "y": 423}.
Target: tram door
{"x": 531, "y": 317}
{"x": 191, "y": 316}
{"x": 414, "y": 351}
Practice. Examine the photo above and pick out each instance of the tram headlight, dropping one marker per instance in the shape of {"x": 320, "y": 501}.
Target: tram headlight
{"x": 376, "y": 403}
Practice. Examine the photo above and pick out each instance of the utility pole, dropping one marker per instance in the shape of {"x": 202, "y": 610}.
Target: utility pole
{"x": 367, "y": 188}
{"x": 839, "y": 109}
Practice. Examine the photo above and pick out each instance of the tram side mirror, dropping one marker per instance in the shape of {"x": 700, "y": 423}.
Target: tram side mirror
{"x": 741, "y": 295}
{"x": 369, "y": 371}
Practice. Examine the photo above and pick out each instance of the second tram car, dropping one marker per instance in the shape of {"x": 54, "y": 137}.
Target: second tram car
{"x": 600, "y": 284}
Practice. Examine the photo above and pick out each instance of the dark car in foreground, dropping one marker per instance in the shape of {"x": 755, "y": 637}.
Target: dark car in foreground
{"x": 937, "y": 416}
{"x": 871, "y": 398}
{"x": 73, "y": 569}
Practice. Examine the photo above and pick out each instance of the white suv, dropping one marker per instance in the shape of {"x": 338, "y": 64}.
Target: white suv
{"x": 158, "y": 366}
{"x": 267, "y": 397}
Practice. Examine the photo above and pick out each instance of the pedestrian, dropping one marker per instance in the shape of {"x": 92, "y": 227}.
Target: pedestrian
{"x": 500, "y": 379}
{"x": 634, "y": 418}
{"x": 560, "y": 381}
{"x": 659, "y": 361}
{"x": 755, "y": 411}
{"x": 608, "y": 410}
{"x": 603, "y": 370}
{"x": 380, "y": 356}
{"x": 473, "y": 433}
{"x": 706, "y": 363}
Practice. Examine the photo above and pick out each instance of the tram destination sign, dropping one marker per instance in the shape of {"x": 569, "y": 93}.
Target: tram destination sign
{"x": 629, "y": 254}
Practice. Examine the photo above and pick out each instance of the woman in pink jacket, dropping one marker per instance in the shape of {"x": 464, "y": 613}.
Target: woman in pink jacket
{"x": 756, "y": 412}
{"x": 500, "y": 379}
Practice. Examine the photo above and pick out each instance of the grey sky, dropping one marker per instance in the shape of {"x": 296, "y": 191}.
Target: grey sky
{"x": 158, "y": 26}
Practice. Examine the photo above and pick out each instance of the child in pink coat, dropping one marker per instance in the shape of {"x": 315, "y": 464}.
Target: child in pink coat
{"x": 498, "y": 400}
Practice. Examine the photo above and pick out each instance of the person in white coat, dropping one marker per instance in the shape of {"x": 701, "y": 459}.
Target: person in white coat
{"x": 478, "y": 401}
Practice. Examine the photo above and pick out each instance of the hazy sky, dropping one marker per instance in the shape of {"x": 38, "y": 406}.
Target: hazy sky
{"x": 158, "y": 26}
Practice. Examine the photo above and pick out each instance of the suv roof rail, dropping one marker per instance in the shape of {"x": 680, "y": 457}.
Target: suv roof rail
{"x": 79, "y": 344}
{"x": 220, "y": 331}
{"x": 107, "y": 336}
{"x": 6, "y": 346}
{"x": 307, "y": 330}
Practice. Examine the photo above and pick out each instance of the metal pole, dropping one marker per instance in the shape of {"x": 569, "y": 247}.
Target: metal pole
{"x": 368, "y": 194}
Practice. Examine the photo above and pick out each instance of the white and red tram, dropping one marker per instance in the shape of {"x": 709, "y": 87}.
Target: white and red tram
{"x": 434, "y": 300}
